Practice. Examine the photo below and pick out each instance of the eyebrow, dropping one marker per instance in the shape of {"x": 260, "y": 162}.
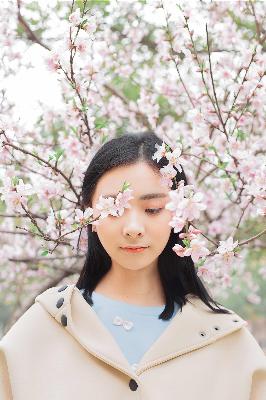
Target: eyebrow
{"x": 147, "y": 196}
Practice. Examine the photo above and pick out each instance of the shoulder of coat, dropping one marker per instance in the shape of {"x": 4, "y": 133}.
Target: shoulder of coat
{"x": 56, "y": 298}
{"x": 200, "y": 308}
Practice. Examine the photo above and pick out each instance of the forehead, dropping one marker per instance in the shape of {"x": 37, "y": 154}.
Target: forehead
{"x": 141, "y": 177}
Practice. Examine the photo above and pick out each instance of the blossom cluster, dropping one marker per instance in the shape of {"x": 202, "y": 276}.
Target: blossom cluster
{"x": 197, "y": 79}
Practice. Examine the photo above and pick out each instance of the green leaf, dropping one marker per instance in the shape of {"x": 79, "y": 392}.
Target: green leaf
{"x": 241, "y": 135}
{"x": 15, "y": 180}
{"x": 222, "y": 164}
{"x": 211, "y": 147}
{"x": 75, "y": 130}
{"x": 163, "y": 102}
{"x": 100, "y": 122}
{"x": 242, "y": 23}
{"x": 45, "y": 252}
{"x": 223, "y": 176}
{"x": 126, "y": 185}
{"x": 200, "y": 263}
{"x": 33, "y": 228}
{"x": 2, "y": 205}
{"x": 59, "y": 153}
{"x": 117, "y": 80}
{"x": 186, "y": 242}
{"x": 36, "y": 154}
{"x": 104, "y": 138}
{"x": 131, "y": 91}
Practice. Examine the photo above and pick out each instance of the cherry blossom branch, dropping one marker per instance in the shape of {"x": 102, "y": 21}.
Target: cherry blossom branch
{"x": 258, "y": 27}
{"x": 139, "y": 115}
{"x": 30, "y": 34}
{"x": 46, "y": 258}
{"x": 204, "y": 235}
{"x": 213, "y": 86}
{"x": 54, "y": 168}
{"x": 252, "y": 238}
{"x": 172, "y": 54}
{"x": 243, "y": 80}
{"x": 241, "y": 216}
{"x": 199, "y": 64}
{"x": 247, "y": 103}
{"x": 47, "y": 238}
{"x": 204, "y": 159}
{"x": 23, "y": 216}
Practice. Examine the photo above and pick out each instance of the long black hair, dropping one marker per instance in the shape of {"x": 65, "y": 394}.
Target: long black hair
{"x": 178, "y": 274}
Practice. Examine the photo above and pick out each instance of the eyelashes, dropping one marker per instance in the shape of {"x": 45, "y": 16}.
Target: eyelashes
{"x": 153, "y": 210}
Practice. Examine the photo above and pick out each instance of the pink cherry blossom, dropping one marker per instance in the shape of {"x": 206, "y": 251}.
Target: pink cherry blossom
{"x": 82, "y": 46}
{"x": 191, "y": 234}
{"x": 174, "y": 158}
{"x": 121, "y": 201}
{"x": 52, "y": 62}
{"x": 206, "y": 272}
{"x": 75, "y": 17}
{"x": 160, "y": 153}
{"x": 106, "y": 206}
{"x": 114, "y": 206}
{"x": 58, "y": 218}
{"x": 82, "y": 217}
{"x": 179, "y": 250}
{"x": 24, "y": 189}
{"x": 49, "y": 190}
{"x": 177, "y": 223}
{"x": 226, "y": 246}
{"x": 191, "y": 207}
{"x": 196, "y": 250}
{"x": 91, "y": 25}
{"x": 82, "y": 237}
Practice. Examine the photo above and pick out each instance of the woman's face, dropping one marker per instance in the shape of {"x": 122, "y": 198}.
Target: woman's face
{"x": 138, "y": 225}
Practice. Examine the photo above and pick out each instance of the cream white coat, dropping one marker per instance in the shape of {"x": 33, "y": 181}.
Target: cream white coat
{"x": 60, "y": 350}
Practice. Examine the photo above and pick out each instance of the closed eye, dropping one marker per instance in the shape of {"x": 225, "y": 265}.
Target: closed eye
{"x": 153, "y": 210}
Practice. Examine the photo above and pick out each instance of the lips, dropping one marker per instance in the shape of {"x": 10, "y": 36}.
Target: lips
{"x": 134, "y": 247}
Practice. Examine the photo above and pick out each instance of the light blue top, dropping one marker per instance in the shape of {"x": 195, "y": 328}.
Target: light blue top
{"x": 144, "y": 331}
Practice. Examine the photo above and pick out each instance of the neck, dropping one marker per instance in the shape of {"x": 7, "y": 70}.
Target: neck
{"x": 140, "y": 287}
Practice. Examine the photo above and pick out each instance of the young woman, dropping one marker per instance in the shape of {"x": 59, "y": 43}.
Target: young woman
{"x": 138, "y": 324}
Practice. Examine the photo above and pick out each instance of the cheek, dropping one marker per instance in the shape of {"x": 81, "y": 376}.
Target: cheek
{"x": 164, "y": 219}
{"x": 107, "y": 231}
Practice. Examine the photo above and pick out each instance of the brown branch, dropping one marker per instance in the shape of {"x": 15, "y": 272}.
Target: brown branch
{"x": 30, "y": 34}
{"x": 172, "y": 55}
{"x": 36, "y": 259}
{"x": 213, "y": 86}
{"x": 252, "y": 238}
{"x": 22, "y": 216}
{"x": 241, "y": 216}
{"x": 139, "y": 115}
{"x": 258, "y": 27}
{"x": 203, "y": 234}
{"x": 243, "y": 80}
{"x": 57, "y": 171}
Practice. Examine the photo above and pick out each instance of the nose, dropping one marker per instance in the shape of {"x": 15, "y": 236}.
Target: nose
{"x": 133, "y": 226}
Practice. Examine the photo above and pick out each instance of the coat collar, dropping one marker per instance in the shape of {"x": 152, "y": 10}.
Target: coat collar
{"x": 195, "y": 327}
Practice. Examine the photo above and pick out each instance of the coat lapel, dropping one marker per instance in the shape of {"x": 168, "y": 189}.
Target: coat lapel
{"x": 196, "y": 326}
